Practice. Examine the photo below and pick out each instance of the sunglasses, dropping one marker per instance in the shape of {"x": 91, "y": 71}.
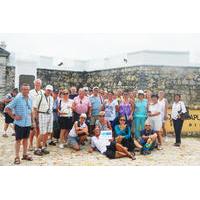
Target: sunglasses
{"x": 101, "y": 115}
{"x": 122, "y": 120}
{"x": 82, "y": 117}
{"x": 65, "y": 93}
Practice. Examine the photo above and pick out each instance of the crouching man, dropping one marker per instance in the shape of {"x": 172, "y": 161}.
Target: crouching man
{"x": 148, "y": 139}
{"x": 112, "y": 149}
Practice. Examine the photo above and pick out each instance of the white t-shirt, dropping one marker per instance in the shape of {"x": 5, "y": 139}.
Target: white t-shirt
{"x": 110, "y": 109}
{"x": 178, "y": 107}
{"x": 154, "y": 108}
{"x": 163, "y": 104}
{"x": 73, "y": 133}
{"x": 99, "y": 143}
{"x": 44, "y": 103}
{"x": 66, "y": 107}
{"x": 33, "y": 95}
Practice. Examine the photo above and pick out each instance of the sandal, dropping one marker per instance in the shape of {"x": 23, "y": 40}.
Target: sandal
{"x": 17, "y": 161}
{"x": 132, "y": 155}
{"x": 38, "y": 152}
{"x": 27, "y": 157}
{"x": 5, "y": 135}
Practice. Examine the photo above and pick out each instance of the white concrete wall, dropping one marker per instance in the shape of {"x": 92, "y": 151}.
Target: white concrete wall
{"x": 159, "y": 58}
{"x": 3, "y": 61}
{"x": 24, "y": 67}
{"x": 28, "y": 64}
{"x": 140, "y": 58}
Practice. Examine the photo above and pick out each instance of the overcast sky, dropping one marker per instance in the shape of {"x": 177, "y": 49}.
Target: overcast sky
{"x": 89, "y": 46}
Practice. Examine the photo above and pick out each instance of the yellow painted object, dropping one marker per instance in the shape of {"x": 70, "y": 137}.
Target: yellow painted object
{"x": 192, "y": 125}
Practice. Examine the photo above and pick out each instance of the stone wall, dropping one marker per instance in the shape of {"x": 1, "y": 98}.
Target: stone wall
{"x": 2, "y": 80}
{"x": 10, "y": 79}
{"x": 60, "y": 78}
{"x": 7, "y": 79}
{"x": 183, "y": 80}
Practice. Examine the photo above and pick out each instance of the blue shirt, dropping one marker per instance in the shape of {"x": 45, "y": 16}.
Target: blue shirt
{"x": 125, "y": 132}
{"x": 21, "y": 107}
{"x": 55, "y": 106}
{"x": 147, "y": 133}
{"x": 96, "y": 105}
{"x": 140, "y": 108}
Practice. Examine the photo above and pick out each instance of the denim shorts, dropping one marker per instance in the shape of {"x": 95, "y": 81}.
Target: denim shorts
{"x": 72, "y": 141}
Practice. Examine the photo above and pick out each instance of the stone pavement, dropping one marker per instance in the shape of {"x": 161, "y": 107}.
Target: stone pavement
{"x": 187, "y": 154}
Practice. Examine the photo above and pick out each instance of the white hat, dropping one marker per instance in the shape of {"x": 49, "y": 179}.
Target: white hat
{"x": 147, "y": 123}
{"x": 140, "y": 92}
{"x": 83, "y": 115}
{"x": 95, "y": 88}
{"x": 86, "y": 88}
{"x": 49, "y": 87}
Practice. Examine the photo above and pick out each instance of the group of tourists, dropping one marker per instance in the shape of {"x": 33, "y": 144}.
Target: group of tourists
{"x": 134, "y": 120}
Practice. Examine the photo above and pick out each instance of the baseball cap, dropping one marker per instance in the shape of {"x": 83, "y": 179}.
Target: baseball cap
{"x": 147, "y": 123}
{"x": 140, "y": 92}
{"x": 95, "y": 88}
{"x": 85, "y": 88}
{"x": 49, "y": 87}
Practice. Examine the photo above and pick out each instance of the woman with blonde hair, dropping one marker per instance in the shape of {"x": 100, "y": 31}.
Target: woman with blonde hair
{"x": 65, "y": 116}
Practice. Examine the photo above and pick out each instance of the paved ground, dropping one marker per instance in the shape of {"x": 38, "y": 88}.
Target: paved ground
{"x": 187, "y": 154}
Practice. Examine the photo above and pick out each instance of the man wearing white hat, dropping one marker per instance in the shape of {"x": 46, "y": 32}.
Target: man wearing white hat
{"x": 44, "y": 112}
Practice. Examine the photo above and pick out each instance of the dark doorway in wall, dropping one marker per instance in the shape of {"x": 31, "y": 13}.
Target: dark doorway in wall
{"x": 26, "y": 79}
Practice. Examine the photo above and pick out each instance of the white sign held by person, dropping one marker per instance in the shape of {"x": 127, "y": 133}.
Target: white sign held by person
{"x": 106, "y": 134}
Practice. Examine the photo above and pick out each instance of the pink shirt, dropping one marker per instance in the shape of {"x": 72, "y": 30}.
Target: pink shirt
{"x": 82, "y": 105}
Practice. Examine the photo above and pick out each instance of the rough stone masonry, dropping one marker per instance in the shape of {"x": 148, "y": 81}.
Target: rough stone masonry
{"x": 183, "y": 80}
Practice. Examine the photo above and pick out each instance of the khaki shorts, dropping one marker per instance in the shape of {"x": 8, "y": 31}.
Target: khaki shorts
{"x": 45, "y": 123}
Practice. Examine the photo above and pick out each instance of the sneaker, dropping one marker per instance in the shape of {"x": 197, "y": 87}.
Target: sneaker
{"x": 144, "y": 152}
{"x": 66, "y": 144}
{"x": 166, "y": 139}
{"x": 38, "y": 152}
{"x": 31, "y": 148}
{"x": 159, "y": 147}
{"x": 137, "y": 149}
{"x": 177, "y": 144}
{"x": 52, "y": 143}
{"x": 44, "y": 151}
{"x": 148, "y": 152}
{"x": 61, "y": 146}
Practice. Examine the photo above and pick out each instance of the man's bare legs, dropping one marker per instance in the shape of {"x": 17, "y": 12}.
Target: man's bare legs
{"x": 25, "y": 146}
{"x": 17, "y": 148}
{"x": 5, "y": 130}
